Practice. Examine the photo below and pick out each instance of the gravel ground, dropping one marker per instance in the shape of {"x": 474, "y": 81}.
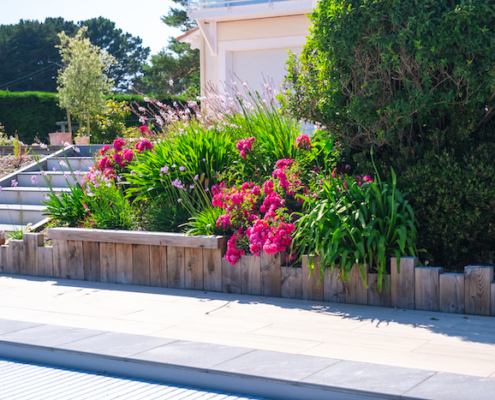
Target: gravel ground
{"x": 7, "y": 164}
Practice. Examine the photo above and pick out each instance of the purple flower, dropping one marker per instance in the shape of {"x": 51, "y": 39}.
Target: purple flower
{"x": 177, "y": 183}
{"x": 54, "y": 169}
{"x": 46, "y": 197}
{"x": 1, "y": 189}
{"x": 63, "y": 164}
{"x": 179, "y": 200}
{"x": 182, "y": 169}
{"x": 77, "y": 150}
{"x": 207, "y": 190}
{"x": 196, "y": 177}
{"x": 191, "y": 186}
{"x": 33, "y": 180}
{"x": 164, "y": 169}
{"x": 204, "y": 159}
{"x": 14, "y": 183}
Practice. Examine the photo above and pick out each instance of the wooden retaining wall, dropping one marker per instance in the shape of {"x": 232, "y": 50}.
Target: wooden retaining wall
{"x": 196, "y": 262}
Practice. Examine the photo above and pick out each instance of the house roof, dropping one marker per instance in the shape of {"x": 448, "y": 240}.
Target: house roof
{"x": 187, "y": 34}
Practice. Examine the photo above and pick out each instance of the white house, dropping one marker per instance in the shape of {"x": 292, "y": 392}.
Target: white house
{"x": 246, "y": 40}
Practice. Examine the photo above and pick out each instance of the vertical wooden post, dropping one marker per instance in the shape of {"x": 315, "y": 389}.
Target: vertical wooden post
{"x": 108, "y": 261}
{"x": 16, "y": 256}
{"x": 492, "y": 291}
{"x": 193, "y": 271}
{"x": 427, "y": 288}
{"x": 4, "y": 268}
{"x": 271, "y": 274}
{"x": 140, "y": 264}
{"x": 250, "y": 275}
{"x": 2, "y": 238}
{"x": 91, "y": 257}
{"x": 376, "y": 298}
{"x": 231, "y": 277}
{"x": 175, "y": 267}
{"x": 45, "y": 261}
{"x": 212, "y": 270}
{"x": 76, "y": 259}
{"x": 356, "y": 291}
{"x": 60, "y": 258}
{"x": 477, "y": 282}
{"x": 31, "y": 243}
{"x": 123, "y": 260}
{"x": 333, "y": 286}
{"x": 158, "y": 266}
{"x": 452, "y": 293}
{"x": 402, "y": 284}
{"x": 312, "y": 288}
{"x": 292, "y": 283}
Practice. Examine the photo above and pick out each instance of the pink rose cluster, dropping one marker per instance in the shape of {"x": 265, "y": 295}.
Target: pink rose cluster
{"x": 234, "y": 249}
{"x": 288, "y": 176}
{"x": 114, "y": 159}
{"x": 245, "y": 146}
{"x": 303, "y": 142}
{"x": 269, "y": 236}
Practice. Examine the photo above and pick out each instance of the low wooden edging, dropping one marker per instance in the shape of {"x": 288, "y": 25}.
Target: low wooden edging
{"x": 196, "y": 262}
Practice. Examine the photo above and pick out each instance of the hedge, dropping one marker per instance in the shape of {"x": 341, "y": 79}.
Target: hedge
{"x": 32, "y": 114}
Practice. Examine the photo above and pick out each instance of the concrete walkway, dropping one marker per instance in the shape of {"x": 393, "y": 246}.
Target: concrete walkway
{"x": 342, "y": 347}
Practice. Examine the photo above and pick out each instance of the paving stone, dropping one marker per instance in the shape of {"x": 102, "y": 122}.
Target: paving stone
{"x": 116, "y": 344}
{"x": 276, "y": 365}
{"x": 369, "y": 378}
{"x": 191, "y": 354}
{"x": 8, "y": 325}
{"x": 444, "y": 386}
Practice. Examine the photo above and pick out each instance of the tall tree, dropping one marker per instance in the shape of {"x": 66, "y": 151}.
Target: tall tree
{"x": 177, "y": 63}
{"x": 29, "y": 58}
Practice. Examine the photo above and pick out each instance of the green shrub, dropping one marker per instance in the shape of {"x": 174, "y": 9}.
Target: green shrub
{"x": 453, "y": 195}
{"x": 165, "y": 217}
{"x": 394, "y": 72}
{"x": 205, "y": 223}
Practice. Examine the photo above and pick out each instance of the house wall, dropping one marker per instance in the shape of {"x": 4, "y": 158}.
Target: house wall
{"x": 249, "y": 34}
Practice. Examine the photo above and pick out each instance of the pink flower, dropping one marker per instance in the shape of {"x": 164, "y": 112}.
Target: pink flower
{"x": 119, "y": 159}
{"x": 104, "y": 149}
{"x": 33, "y": 180}
{"x": 144, "y": 130}
{"x": 128, "y": 155}
{"x": 14, "y": 183}
{"x": 303, "y": 142}
{"x": 143, "y": 144}
{"x": 118, "y": 144}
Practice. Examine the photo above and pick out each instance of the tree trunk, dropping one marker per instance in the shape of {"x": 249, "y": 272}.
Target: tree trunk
{"x": 69, "y": 121}
{"x": 88, "y": 125}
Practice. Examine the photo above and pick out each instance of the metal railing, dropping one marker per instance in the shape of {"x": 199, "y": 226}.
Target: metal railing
{"x": 194, "y": 5}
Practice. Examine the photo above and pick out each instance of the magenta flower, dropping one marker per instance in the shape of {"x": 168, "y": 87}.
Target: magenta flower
{"x": 118, "y": 144}
{"x": 104, "y": 149}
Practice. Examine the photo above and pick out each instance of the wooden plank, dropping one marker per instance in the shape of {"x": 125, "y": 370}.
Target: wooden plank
{"x": 311, "y": 286}
{"x": 138, "y": 237}
{"x": 477, "y": 282}
{"x": 271, "y": 274}
{"x": 45, "y": 261}
{"x": 175, "y": 267}
{"x": 76, "y": 259}
{"x": 333, "y": 286}
{"x": 402, "y": 284}
{"x": 140, "y": 264}
{"x": 4, "y": 264}
{"x": 158, "y": 266}
{"x": 376, "y": 298}
{"x": 108, "y": 263}
{"x": 427, "y": 288}
{"x": 123, "y": 260}
{"x": 31, "y": 243}
{"x": 250, "y": 274}
{"x": 60, "y": 259}
{"x": 231, "y": 277}
{"x": 492, "y": 291}
{"x": 91, "y": 257}
{"x": 2, "y": 238}
{"x": 292, "y": 283}
{"x": 452, "y": 293}
{"x": 212, "y": 270}
{"x": 193, "y": 272}
{"x": 16, "y": 256}
{"x": 355, "y": 290}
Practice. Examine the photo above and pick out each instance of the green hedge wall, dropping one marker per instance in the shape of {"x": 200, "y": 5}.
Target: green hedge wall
{"x": 33, "y": 114}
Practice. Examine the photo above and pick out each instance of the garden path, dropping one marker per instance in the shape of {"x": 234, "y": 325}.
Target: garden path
{"x": 422, "y": 340}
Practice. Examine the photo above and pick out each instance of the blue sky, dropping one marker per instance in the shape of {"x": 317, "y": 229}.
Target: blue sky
{"x": 140, "y": 18}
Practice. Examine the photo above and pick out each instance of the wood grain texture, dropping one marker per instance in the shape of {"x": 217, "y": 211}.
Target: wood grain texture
{"x": 60, "y": 259}
{"x": 333, "y": 286}
{"x": 376, "y": 298}
{"x": 402, "y": 284}
{"x": 477, "y": 282}
{"x": 452, "y": 293}
{"x": 312, "y": 288}
{"x": 175, "y": 267}
{"x": 427, "y": 288}
{"x": 158, "y": 266}
{"x": 212, "y": 270}
{"x": 138, "y": 237}
{"x": 355, "y": 290}
{"x": 250, "y": 275}
{"x": 15, "y": 256}
{"x": 91, "y": 257}
{"x": 108, "y": 263}
{"x": 271, "y": 274}
{"x": 2, "y": 238}
{"x": 31, "y": 243}
{"x": 45, "y": 261}
{"x": 4, "y": 268}
{"x": 123, "y": 260}
{"x": 140, "y": 265}
{"x": 292, "y": 283}
{"x": 193, "y": 272}
{"x": 231, "y": 277}
{"x": 76, "y": 259}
